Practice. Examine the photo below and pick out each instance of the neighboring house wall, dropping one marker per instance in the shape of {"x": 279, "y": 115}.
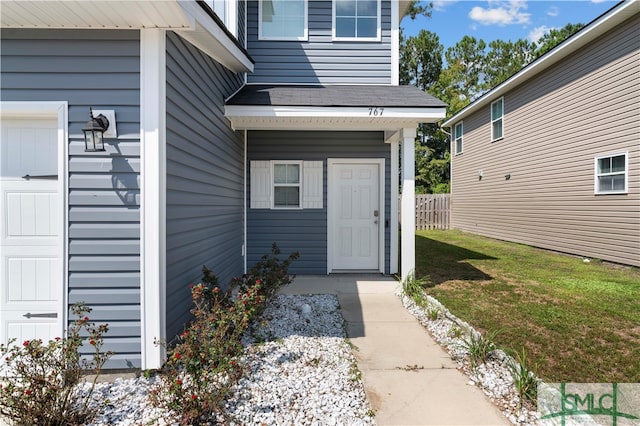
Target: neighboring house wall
{"x": 554, "y": 126}
{"x": 242, "y": 19}
{"x": 319, "y": 59}
{"x": 305, "y": 230}
{"x": 100, "y": 69}
{"x": 204, "y": 177}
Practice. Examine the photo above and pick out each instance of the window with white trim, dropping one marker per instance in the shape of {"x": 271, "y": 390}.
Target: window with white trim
{"x": 611, "y": 174}
{"x": 356, "y": 19}
{"x": 286, "y": 184}
{"x": 457, "y": 134}
{"x": 497, "y": 121}
{"x": 282, "y": 20}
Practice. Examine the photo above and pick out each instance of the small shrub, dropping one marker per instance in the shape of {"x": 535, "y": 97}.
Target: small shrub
{"x": 455, "y": 332}
{"x": 414, "y": 288}
{"x": 41, "y": 379}
{"x": 205, "y": 362}
{"x": 524, "y": 376}
{"x": 432, "y": 313}
{"x": 479, "y": 347}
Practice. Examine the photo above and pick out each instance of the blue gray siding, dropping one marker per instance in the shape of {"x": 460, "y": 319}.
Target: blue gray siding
{"x": 320, "y": 60}
{"x": 242, "y": 19}
{"x": 204, "y": 176}
{"x": 305, "y": 230}
{"x": 100, "y": 69}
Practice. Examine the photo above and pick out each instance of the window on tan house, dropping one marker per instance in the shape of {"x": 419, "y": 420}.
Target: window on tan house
{"x": 282, "y": 20}
{"x": 457, "y": 133}
{"x": 356, "y": 19}
{"x": 497, "y": 119}
{"x": 611, "y": 174}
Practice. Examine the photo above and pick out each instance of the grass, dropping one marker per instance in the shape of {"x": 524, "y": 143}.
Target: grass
{"x": 579, "y": 322}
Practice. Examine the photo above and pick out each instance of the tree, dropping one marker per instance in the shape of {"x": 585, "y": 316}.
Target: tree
{"x": 504, "y": 59}
{"x": 549, "y": 40}
{"x": 466, "y": 60}
{"x": 416, "y": 7}
{"x": 421, "y": 59}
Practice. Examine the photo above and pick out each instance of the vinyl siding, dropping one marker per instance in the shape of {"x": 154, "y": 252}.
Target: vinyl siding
{"x": 242, "y": 19}
{"x": 305, "y": 230}
{"x": 320, "y": 60}
{"x": 99, "y": 69}
{"x": 204, "y": 177}
{"x": 554, "y": 126}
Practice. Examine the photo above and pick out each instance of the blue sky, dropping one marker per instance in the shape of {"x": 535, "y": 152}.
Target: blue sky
{"x": 503, "y": 19}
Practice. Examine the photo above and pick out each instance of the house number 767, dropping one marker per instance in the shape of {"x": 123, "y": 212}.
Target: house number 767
{"x": 376, "y": 112}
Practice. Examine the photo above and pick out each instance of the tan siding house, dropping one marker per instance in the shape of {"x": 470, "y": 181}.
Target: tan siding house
{"x": 551, "y": 157}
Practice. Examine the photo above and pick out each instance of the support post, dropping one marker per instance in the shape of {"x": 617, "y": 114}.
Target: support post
{"x": 408, "y": 210}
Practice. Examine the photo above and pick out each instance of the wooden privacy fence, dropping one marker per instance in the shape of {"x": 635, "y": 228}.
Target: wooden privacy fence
{"x": 432, "y": 211}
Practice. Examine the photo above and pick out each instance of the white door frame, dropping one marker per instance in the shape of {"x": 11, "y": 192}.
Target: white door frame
{"x": 59, "y": 111}
{"x": 331, "y": 238}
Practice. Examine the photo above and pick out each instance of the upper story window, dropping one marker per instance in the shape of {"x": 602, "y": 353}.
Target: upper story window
{"x": 457, "y": 134}
{"x": 611, "y": 174}
{"x": 356, "y": 20}
{"x": 497, "y": 122}
{"x": 282, "y": 19}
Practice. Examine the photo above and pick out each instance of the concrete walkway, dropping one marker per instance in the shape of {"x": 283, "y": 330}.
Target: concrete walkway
{"x": 409, "y": 379}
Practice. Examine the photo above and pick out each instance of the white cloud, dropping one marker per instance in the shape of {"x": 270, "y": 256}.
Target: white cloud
{"x": 536, "y": 33}
{"x": 553, "y": 11}
{"x": 501, "y": 13}
{"x": 441, "y": 5}
{"x": 598, "y": 1}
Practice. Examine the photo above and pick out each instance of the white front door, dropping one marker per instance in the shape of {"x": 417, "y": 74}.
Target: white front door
{"x": 30, "y": 211}
{"x": 355, "y": 216}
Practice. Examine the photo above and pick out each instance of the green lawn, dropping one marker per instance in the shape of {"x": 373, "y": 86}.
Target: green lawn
{"x": 579, "y": 321}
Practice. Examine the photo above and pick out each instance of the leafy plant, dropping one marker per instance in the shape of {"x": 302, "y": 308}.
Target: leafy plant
{"x": 205, "y": 362}
{"x": 455, "y": 332}
{"x": 524, "y": 377}
{"x": 413, "y": 288}
{"x": 479, "y": 347}
{"x": 41, "y": 380}
{"x": 432, "y": 313}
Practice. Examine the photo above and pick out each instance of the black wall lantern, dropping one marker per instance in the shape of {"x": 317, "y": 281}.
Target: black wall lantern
{"x": 94, "y": 132}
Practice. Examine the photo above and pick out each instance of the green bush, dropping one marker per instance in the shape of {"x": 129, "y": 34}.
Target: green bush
{"x": 205, "y": 362}
{"x": 40, "y": 379}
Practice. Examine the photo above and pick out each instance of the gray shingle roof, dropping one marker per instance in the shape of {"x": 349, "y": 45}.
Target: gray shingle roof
{"x": 334, "y": 96}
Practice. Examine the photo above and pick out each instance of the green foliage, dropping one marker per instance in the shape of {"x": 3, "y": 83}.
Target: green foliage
{"x": 524, "y": 376}
{"x": 40, "y": 383}
{"x": 413, "y": 288}
{"x": 478, "y": 347}
{"x": 205, "y": 363}
{"x": 416, "y": 7}
{"x": 433, "y": 313}
{"x": 555, "y": 36}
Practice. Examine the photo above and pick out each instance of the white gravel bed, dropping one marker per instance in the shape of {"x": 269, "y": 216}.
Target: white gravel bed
{"x": 300, "y": 371}
{"x": 493, "y": 376}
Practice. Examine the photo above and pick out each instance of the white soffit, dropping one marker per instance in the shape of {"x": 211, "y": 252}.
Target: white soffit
{"x": 245, "y": 117}
{"x": 127, "y": 14}
{"x": 187, "y": 18}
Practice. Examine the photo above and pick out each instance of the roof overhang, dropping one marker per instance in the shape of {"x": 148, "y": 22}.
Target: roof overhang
{"x": 618, "y": 14}
{"x": 244, "y": 117}
{"x": 332, "y": 107}
{"x": 186, "y": 17}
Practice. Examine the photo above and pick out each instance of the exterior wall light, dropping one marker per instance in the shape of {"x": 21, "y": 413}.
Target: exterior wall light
{"x": 94, "y": 132}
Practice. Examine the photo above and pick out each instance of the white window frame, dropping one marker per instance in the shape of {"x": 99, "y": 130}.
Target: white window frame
{"x": 299, "y": 185}
{"x": 378, "y": 26}
{"x": 304, "y": 37}
{"x": 456, "y": 138}
{"x": 501, "y": 100}
{"x": 596, "y": 175}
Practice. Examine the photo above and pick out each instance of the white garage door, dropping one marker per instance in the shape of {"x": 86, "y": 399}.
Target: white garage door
{"x": 30, "y": 262}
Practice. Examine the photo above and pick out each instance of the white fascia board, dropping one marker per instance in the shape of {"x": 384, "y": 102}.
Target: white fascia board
{"x": 581, "y": 38}
{"x": 395, "y": 43}
{"x": 209, "y": 37}
{"x": 336, "y": 112}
